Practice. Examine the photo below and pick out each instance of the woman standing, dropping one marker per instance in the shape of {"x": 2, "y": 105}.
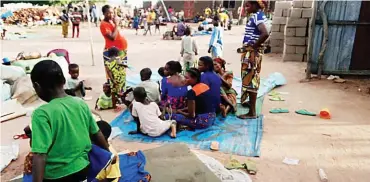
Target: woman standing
{"x": 255, "y": 35}
{"x": 198, "y": 114}
{"x": 228, "y": 94}
{"x": 113, "y": 39}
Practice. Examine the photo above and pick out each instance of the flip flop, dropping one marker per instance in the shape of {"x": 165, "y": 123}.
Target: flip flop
{"x": 279, "y": 110}
{"x": 277, "y": 98}
{"x": 21, "y": 136}
{"x": 251, "y": 167}
{"x": 273, "y": 93}
{"x": 305, "y": 112}
{"x": 234, "y": 164}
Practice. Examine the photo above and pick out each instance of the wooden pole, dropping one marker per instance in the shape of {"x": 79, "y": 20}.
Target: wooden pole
{"x": 90, "y": 32}
{"x": 310, "y": 41}
{"x": 240, "y": 13}
{"x": 165, "y": 10}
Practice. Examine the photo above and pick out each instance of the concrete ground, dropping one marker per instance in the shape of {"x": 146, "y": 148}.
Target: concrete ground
{"x": 340, "y": 146}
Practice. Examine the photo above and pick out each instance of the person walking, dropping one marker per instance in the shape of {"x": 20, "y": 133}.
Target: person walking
{"x": 94, "y": 15}
{"x": 65, "y": 23}
{"x": 76, "y": 19}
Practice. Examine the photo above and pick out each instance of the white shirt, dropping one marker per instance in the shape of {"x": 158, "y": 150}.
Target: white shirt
{"x": 148, "y": 115}
{"x": 188, "y": 45}
{"x": 71, "y": 83}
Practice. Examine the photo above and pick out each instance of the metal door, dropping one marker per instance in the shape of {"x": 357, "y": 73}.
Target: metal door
{"x": 360, "y": 54}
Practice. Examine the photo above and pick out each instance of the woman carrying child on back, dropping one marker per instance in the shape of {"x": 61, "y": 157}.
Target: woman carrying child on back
{"x": 147, "y": 116}
{"x": 228, "y": 94}
{"x": 174, "y": 89}
{"x": 198, "y": 114}
{"x": 115, "y": 68}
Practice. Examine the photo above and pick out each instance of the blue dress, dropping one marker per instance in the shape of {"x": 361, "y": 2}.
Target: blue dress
{"x": 173, "y": 95}
{"x": 205, "y": 114}
{"x": 136, "y": 22}
{"x": 211, "y": 79}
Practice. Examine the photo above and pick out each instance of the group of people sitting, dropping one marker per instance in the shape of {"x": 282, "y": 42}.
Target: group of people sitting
{"x": 180, "y": 101}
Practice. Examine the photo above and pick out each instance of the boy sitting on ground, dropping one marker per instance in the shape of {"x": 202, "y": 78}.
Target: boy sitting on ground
{"x": 62, "y": 129}
{"x": 105, "y": 99}
{"x": 75, "y": 87}
{"x": 151, "y": 87}
{"x": 147, "y": 116}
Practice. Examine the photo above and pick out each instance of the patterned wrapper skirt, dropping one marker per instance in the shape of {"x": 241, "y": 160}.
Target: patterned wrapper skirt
{"x": 201, "y": 121}
{"x": 118, "y": 69}
{"x": 250, "y": 69}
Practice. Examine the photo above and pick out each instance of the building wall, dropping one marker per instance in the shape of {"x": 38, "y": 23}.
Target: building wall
{"x": 200, "y": 5}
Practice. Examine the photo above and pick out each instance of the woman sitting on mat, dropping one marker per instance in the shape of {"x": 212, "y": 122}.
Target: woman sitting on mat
{"x": 228, "y": 94}
{"x": 210, "y": 78}
{"x": 198, "y": 114}
{"x": 174, "y": 89}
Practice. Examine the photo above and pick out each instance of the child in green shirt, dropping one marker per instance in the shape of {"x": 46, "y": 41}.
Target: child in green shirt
{"x": 61, "y": 129}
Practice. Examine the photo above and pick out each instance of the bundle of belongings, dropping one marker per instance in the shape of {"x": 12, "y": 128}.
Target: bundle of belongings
{"x": 31, "y": 16}
{"x": 17, "y": 85}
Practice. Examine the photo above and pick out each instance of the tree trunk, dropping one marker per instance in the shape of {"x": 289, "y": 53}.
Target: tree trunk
{"x": 325, "y": 38}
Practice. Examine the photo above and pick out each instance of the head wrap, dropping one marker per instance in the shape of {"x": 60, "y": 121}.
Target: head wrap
{"x": 220, "y": 61}
{"x": 262, "y": 3}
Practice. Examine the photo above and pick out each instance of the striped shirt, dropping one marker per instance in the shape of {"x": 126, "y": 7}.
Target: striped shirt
{"x": 251, "y": 29}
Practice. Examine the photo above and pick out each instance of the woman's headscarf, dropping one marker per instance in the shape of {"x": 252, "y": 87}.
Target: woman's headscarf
{"x": 262, "y": 3}
{"x": 220, "y": 61}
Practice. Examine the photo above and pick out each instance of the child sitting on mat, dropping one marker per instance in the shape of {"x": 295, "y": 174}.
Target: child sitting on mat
{"x": 105, "y": 99}
{"x": 74, "y": 86}
{"x": 147, "y": 116}
{"x": 151, "y": 88}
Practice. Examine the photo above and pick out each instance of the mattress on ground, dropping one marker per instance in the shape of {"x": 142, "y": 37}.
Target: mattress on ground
{"x": 28, "y": 65}
{"x": 175, "y": 162}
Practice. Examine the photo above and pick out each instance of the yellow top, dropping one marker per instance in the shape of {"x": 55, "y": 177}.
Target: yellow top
{"x": 223, "y": 17}
{"x": 112, "y": 171}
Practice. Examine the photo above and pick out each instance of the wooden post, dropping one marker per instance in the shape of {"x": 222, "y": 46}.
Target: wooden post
{"x": 240, "y": 13}
{"x": 90, "y": 32}
{"x": 310, "y": 41}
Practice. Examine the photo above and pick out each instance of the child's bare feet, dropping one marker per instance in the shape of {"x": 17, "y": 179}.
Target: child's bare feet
{"x": 234, "y": 108}
{"x": 118, "y": 108}
{"x": 173, "y": 131}
{"x": 223, "y": 113}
